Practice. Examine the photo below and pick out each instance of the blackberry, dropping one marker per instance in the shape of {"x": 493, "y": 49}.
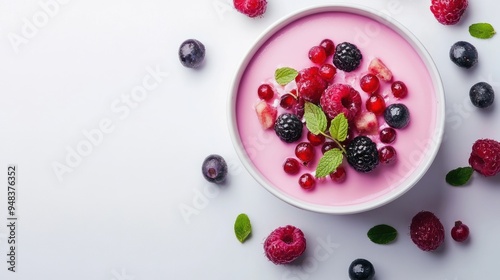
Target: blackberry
{"x": 347, "y": 57}
{"x": 362, "y": 154}
{"x": 288, "y": 127}
{"x": 482, "y": 95}
{"x": 361, "y": 269}
{"x": 191, "y": 53}
{"x": 463, "y": 54}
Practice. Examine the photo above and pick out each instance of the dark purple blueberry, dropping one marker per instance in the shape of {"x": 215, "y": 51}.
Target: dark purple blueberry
{"x": 482, "y": 95}
{"x": 463, "y": 54}
{"x": 361, "y": 269}
{"x": 192, "y": 53}
{"x": 397, "y": 115}
{"x": 214, "y": 169}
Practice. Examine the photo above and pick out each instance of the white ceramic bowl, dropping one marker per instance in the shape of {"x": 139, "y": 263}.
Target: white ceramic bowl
{"x": 257, "y": 149}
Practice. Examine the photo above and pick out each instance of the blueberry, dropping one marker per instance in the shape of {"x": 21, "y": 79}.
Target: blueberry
{"x": 481, "y": 95}
{"x": 192, "y": 53}
{"x": 463, "y": 54}
{"x": 397, "y": 115}
{"x": 361, "y": 269}
{"x": 214, "y": 169}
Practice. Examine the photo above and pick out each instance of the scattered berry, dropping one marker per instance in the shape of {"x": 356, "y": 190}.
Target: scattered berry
{"x": 361, "y": 269}
{"x": 366, "y": 123}
{"x": 285, "y": 244}
{"x": 266, "y": 114}
{"x": 291, "y": 166}
{"x": 485, "y": 157}
{"x": 399, "y": 89}
{"x": 387, "y": 135}
{"x": 460, "y": 232}
{"x": 339, "y": 175}
{"x": 305, "y": 152}
{"x": 192, "y": 53}
{"x": 426, "y": 231}
{"x": 328, "y": 146}
{"x": 347, "y": 57}
{"x": 307, "y": 181}
{"x": 310, "y": 85}
{"x": 287, "y": 101}
{"x": 362, "y": 154}
{"x": 397, "y": 115}
{"x": 299, "y": 107}
{"x": 251, "y": 8}
{"x": 288, "y": 127}
{"x": 482, "y": 95}
{"x": 463, "y": 54}
{"x": 327, "y": 72}
{"x": 387, "y": 155}
{"x": 448, "y": 12}
{"x": 329, "y": 46}
{"x": 317, "y": 54}
{"x": 375, "y": 104}
{"x": 369, "y": 83}
{"x": 265, "y": 92}
{"x": 341, "y": 98}
{"x": 315, "y": 140}
{"x": 214, "y": 169}
{"x": 378, "y": 68}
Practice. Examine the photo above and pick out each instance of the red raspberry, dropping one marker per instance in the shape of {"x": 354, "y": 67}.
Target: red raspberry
{"x": 485, "y": 157}
{"x": 340, "y": 98}
{"x": 310, "y": 85}
{"x": 251, "y": 8}
{"x": 448, "y": 12}
{"x": 285, "y": 244}
{"x": 426, "y": 231}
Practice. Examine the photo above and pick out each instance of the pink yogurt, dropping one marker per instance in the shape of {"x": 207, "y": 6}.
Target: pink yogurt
{"x": 289, "y": 47}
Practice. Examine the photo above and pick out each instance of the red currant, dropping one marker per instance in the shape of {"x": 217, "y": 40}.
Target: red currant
{"x": 399, "y": 89}
{"x": 375, "y": 104}
{"x": 287, "y": 101}
{"x": 329, "y": 46}
{"x": 315, "y": 140}
{"x": 307, "y": 181}
{"x": 317, "y": 54}
{"x": 328, "y": 146}
{"x": 387, "y": 135}
{"x": 299, "y": 107}
{"x": 460, "y": 232}
{"x": 291, "y": 166}
{"x": 387, "y": 154}
{"x": 327, "y": 72}
{"x": 265, "y": 92}
{"x": 338, "y": 175}
{"x": 305, "y": 152}
{"x": 369, "y": 83}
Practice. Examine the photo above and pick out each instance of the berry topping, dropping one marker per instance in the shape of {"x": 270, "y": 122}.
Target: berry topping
{"x": 327, "y": 72}
{"x": 265, "y": 92}
{"x": 366, "y": 123}
{"x": 375, "y": 104}
{"x": 448, "y": 12}
{"x": 299, "y": 107}
{"x": 291, "y": 166}
{"x": 464, "y": 54}
{"x": 328, "y": 146}
{"x": 485, "y": 157}
{"x": 266, "y": 114}
{"x": 284, "y": 244}
{"x": 315, "y": 140}
{"x": 191, "y": 53}
{"x": 362, "y": 154}
{"x": 460, "y": 232}
{"x": 361, "y": 269}
{"x": 397, "y": 115}
{"x": 341, "y": 98}
{"x": 329, "y": 46}
{"x": 287, "y": 101}
{"x": 387, "y": 154}
{"x": 339, "y": 175}
{"x": 378, "y": 68}
{"x": 251, "y": 8}
{"x": 387, "y": 135}
{"x": 305, "y": 152}
{"x": 426, "y": 231}
{"x": 399, "y": 89}
{"x": 369, "y": 83}
{"x": 214, "y": 169}
{"x": 288, "y": 127}
{"x": 310, "y": 85}
{"x": 347, "y": 57}
{"x": 482, "y": 95}
{"x": 317, "y": 54}
{"x": 307, "y": 181}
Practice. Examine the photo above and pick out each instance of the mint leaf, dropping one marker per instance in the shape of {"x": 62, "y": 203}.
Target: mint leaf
{"x": 316, "y": 120}
{"x": 482, "y": 30}
{"x": 460, "y": 176}
{"x": 242, "y": 227}
{"x": 329, "y": 162}
{"x": 285, "y": 75}
{"x": 339, "y": 127}
{"x": 382, "y": 234}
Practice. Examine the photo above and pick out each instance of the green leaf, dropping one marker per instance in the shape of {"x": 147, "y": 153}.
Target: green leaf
{"x": 459, "y": 176}
{"x": 316, "y": 120}
{"x": 285, "y": 75}
{"x": 329, "y": 162}
{"x": 339, "y": 127}
{"x": 242, "y": 227}
{"x": 482, "y": 30}
{"x": 382, "y": 234}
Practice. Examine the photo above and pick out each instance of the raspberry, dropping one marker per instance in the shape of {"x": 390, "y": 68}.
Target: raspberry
{"x": 485, "y": 157}
{"x": 426, "y": 231}
{"x": 362, "y": 154}
{"x": 448, "y": 12}
{"x": 310, "y": 85}
{"x": 288, "y": 127}
{"x": 340, "y": 98}
{"x": 251, "y": 8}
{"x": 347, "y": 57}
{"x": 285, "y": 244}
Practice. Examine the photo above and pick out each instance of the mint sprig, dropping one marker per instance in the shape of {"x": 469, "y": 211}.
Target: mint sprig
{"x": 242, "y": 227}
{"x": 285, "y": 75}
{"x": 482, "y": 30}
{"x": 382, "y": 234}
{"x": 460, "y": 176}
{"x": 316, "y": 121}
{"x": 329, "y": 162}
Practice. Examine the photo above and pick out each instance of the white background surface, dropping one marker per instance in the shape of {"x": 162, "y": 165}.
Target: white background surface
{"x": 117, "y": 214}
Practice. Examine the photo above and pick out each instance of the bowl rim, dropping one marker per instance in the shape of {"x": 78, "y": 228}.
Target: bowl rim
{"x": 435, "y": 138}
